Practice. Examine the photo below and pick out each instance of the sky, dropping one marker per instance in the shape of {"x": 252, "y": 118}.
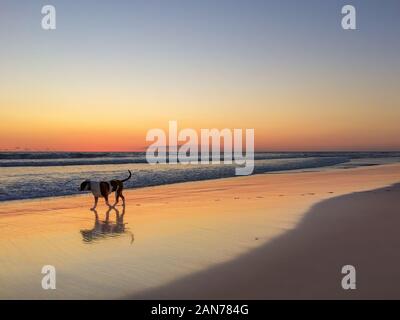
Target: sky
{"x": 112, "y": 70}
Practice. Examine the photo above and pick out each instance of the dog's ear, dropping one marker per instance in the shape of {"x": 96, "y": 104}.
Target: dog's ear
{"x": 85, "y": 185}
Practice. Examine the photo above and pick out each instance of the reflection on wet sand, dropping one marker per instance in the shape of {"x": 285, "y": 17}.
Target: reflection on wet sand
{"x": 182, "y": 231}
{"x": 106, "y": 229}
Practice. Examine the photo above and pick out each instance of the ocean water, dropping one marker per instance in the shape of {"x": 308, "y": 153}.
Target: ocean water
{"x": 28, "y": 175}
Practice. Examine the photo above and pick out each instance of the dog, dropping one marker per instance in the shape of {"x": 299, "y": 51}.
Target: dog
{"x": 104, "y": 188}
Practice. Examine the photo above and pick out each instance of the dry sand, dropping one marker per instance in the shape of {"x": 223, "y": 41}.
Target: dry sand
{"x": 230, "y": 238}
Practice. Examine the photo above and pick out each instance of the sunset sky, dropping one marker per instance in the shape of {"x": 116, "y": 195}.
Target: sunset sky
{"x": 114, "y": 69}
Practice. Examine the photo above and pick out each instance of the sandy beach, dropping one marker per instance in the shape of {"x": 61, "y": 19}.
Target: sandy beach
{"x": 269, "y": 236}
{"x": 359, "y": 229}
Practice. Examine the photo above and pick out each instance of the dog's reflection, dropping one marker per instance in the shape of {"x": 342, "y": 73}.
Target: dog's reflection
{"x": 106, "y": 229}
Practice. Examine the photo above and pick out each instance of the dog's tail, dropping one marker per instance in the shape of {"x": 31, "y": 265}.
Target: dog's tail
{"x": 130, "y": 175}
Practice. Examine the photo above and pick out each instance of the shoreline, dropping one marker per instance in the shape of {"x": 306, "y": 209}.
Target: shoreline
{"x": 360, "y": 229}
{"x": 63, "y": 180}
{"x": 187, "y": 228}
{"x": 295, "y": 170}
{"x": 130, "y": 189}
{"x": 133, "y": 189}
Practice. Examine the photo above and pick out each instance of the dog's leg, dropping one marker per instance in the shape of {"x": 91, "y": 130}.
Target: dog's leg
{"x": 116, "y": 198}
{"x": 107, "y": 203}
{"x": 123, "y": 199}
{"x": 96, "y": 199}
{"x": 96, "y": 215}
{"x": 118, "y": 195}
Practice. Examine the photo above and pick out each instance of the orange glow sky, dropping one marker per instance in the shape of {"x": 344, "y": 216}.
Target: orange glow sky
{"x": 91, "y": 86}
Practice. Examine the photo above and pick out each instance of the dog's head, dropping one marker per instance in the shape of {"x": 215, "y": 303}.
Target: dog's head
{"x": 85, "y": 185}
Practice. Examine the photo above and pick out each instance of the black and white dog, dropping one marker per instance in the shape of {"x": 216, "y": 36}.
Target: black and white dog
{"x": 104, "y": 188}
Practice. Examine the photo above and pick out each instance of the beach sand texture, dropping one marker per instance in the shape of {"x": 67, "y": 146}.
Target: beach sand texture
{"x": 244, "y": 237}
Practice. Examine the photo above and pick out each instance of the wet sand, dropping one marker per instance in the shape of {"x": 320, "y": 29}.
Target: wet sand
{"x": 171, "y": 240}
{"x": 359, "y": 229}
